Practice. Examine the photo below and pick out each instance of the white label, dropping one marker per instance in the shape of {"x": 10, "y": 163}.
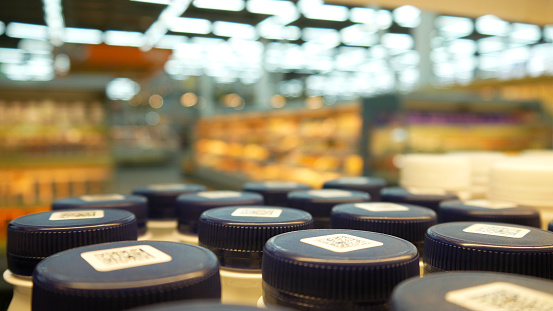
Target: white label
{"x": 509, "y": 232}
{"x": 501, "y": 296}
{"x": 490, "y": 204}
{"x": 167, "y": 187}
{"x": 382, "y": 207}
{"x": 125, "y": 257}
{"x": 219, "y": 194}
{"x": 341, "y": 243}
{"x": 352, "y": 180}
{"x": 280, "y": 184}
{"x": 330, "y": 193}
{"x": 427, "y": 191}
{"x": 257, "y": 212}
{"x": 77, "y": 215}
{"x": 102, "y": 197}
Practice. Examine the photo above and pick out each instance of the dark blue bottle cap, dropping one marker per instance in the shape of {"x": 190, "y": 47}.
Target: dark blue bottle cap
{"x": 333, "y": 269}
{"x": 191, "y": 206}
{"x": 402, "y": 195}
{"x": 405, "y": 221}
{"x": 34, "y": 237}
{"x": 550, "y": 226}
{"x": 319, "y": 203}
{"x": 237, "y": 234}
{"x": 275, "y": 193}
{"x": 121, "y": 275}
{"x": 371, "y": 185}
{"x": 132, "y": 203}
{"x": 198, "y": 306}
{"x": 162, "y": 198}
{"x": 488, "y": 211}
{"x": 480, "y": 291}
{"x": 489, "y": 247}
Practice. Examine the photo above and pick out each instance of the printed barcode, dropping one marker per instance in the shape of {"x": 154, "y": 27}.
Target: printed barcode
{"x": 125, "y": 257}
{"x": 341, "y": 243}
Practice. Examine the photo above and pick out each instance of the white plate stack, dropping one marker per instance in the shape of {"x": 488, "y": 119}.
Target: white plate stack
{"x": 435, "y": 173}
{"x": 480, "y": 162}
{"x": 526, "y": 180}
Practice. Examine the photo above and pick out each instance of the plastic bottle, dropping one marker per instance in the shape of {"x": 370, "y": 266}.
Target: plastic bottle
{"x": 485, "y": 246}
{"x": 33, "y": 237}
{"x": 122, "y": 275}
{"x": 319, "y": 203}
{"x": 430, "y": 199}
{"x": 237, "y": 236}
{"x": 371, "y": 185}
{"x": 335, "y": 269}
{"x": 132, "y": 203}
{"x": 162, "y": 215}
{"x": 275, "y": 193}
{"x": 473, "y": 291}
{"x": 488, "y": 211}
{"x": 191, "y": 206}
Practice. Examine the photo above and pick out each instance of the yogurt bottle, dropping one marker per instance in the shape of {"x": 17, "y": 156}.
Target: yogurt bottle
{"x": 489, "y": 211}
{"x": 334, "y": 269}
{"x": 275, "y": 193}
{"x": 405, "y": 221}
{"x": 319, "y": 203}
{"x": 132, "y": 203}
{"x": 122, "y": 275}
{"x": 371, "y": 185}
{"x": 473, "y": 291}
{"x": 191, "y": 206}
{"x": 162, "y": 215}
{"x": 481, "y": 246}
{"x": 426, "y": 198}
{"x": 34, "y": 237}
{"x": 237, "y": 236}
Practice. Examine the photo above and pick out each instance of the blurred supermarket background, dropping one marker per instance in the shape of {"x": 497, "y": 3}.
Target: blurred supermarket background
{"x": 107, "y": 95}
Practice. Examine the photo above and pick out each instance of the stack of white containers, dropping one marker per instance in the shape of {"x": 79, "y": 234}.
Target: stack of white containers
{"x": 480, "y": 163}
{"x": 436, "y": 174}
{"x": 526, "y": 180}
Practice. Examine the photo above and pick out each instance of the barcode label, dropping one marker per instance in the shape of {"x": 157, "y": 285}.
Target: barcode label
{"x": 280, "y": 184}
{"x": 509, "y": 232}
{"x": 164, "y": 187}
{"x": 382, "y": 207}
{"x": 352, "y": 180}
{"x": 330, "y": 193}
{"x": 102, "y": 197}
{"x": 341, "y": 243}
{"x": 219, "y": 194}
{"x": 77, "y": 215}
{"x": 490, "y": 204}
{"x": 257, "y": 212}
{"x": 125, "y": 257}
{"x": 501, "y": 296}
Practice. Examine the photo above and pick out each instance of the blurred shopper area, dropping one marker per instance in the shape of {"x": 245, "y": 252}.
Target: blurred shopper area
{"x": 105, "y": 96}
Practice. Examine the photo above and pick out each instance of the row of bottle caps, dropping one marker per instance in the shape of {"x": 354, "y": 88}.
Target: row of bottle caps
{"x": 293, "y": 263}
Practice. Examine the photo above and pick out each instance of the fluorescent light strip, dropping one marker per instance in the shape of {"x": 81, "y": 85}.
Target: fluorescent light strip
{"x": 159, "y": 28}
{"x": 54, "y": 20}
{"x": 27, "y": 31}
{"x": 123, "y": 38}
{"x": 13, "y": 56}
{"x": 83, "y": 36}
{"x": 189, "y": 25}
{"x": 223, "y": 5}
{"x": 234, "y": 30}
{"x": 284, "y": 9}
{"x": 327, "y": 12}
{"x": 165, "y": 2}
{"x": 2, "y": 27}
{"x": 170, "y": 42}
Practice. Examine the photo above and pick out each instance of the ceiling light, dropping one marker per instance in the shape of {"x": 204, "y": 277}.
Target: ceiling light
{"x": 407, "y": 16}
{"x": 525, "y": 33}
{"x": 170, "y": 42}
{"x": 154, "y": 1}
{"x": 234, "y": 30}
{"x": 122, "y": 89}
{"x": 224, "y": 5}
{"x": 548, "y": 33}
{"x": 284, "y": 10}
{"x": 492, "y": 25}
{"x": 207, "y": 41}
{"x": 357, "y": 35}
{"x": 159, "y": 28}
{"x": 397, "y": 41}
{"x": 462, "y": 47}
{"x": 13, "y": 56}
{"x": 82, "y": 36}
{"x": 454, "y": 27}
{"x": 54, "y": 20}
{"x": 326, "y": 12}
{"x": 27, "y": 31}
{"x": 491, "y": 44}
{"x": 190, "y": 25}
{"x": 35, "y": 46}
{"x": 2, "y": 27}
{"x": 270, "y": 28}
{"x": 123, "y": 38}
